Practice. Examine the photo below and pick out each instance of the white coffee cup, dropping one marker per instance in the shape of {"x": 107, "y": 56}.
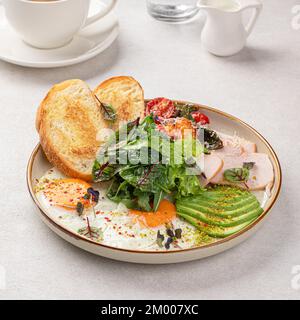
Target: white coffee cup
{"x": 51, "y": 23}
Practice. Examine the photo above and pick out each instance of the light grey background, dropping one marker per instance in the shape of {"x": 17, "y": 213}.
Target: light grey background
{"x": 261, "y": 85}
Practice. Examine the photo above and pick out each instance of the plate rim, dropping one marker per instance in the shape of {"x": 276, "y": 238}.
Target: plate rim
{"x": 266, "y": 212}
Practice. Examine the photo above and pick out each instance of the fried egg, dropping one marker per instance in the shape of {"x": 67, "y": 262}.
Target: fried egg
{"x": 110, "y": 223}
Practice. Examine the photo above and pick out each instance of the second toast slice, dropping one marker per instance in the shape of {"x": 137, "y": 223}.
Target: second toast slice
{"x": 125, "y": 95}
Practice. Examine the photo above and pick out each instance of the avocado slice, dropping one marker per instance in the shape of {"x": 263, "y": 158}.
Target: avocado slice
{"x": 239, "y": 209}
{"x": 220, "y": 211}
{"x": 214, "y": 231}
{"x": 226, "y": 205}
{"x": 219, "y": 221}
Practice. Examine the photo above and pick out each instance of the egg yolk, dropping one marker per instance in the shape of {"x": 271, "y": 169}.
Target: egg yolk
{"x": 67, "y": 192}
{"x": 165, "y": 213}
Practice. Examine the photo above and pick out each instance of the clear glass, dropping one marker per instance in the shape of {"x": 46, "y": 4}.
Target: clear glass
{"x": 172, "y": 10}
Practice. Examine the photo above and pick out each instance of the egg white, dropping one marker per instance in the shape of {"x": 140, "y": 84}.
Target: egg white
{"x": 117, "y": 227}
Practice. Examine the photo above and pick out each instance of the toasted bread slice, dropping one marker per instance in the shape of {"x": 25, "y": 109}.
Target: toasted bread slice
{"x": 68, "y": 121}
{"x": 125, "y": 95}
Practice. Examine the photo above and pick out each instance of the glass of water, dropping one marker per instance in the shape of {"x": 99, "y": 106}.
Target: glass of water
{"x": 172, "y": 10}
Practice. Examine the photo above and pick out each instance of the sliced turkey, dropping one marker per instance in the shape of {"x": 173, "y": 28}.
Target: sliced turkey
{"x": 234, "y": 145}
{"x": 261, "y": 175}
{"x": 211, "y": 166}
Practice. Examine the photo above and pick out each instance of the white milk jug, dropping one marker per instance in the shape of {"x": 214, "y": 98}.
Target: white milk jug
{"x": 224, "y": 33}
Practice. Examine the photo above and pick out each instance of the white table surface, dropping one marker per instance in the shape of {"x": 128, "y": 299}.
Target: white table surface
{"x": 261, "y": 85}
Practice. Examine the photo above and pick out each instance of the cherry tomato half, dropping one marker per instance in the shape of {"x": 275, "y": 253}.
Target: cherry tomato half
{"x": 200, "y": 118}
{"x": 161, "y": 107}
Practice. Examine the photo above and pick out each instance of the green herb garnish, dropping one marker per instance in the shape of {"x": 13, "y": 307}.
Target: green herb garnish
{"x": 178, "y": 233}
{"x": 168, "y": 242}
{"x": 237, "y": 175}
{"x": 79, "y": 208}
{"x": 159, "y": 239}
{"x": 109, "y": 113}
{"x": 92, "y": 233}
{"x": 170, "y": 233}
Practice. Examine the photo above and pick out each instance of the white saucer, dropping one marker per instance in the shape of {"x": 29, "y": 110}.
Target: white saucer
{"x": 85, "y": 45}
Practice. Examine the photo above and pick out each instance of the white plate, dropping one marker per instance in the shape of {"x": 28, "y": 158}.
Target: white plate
{"x": 38, "y": 165}
{"x": 85, "y": 45}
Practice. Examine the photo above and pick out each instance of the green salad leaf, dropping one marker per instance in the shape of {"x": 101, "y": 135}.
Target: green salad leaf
{"x": 145, "y": 166}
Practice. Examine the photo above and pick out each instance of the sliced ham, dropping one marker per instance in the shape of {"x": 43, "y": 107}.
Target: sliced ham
{"x": 261, "y": 175}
